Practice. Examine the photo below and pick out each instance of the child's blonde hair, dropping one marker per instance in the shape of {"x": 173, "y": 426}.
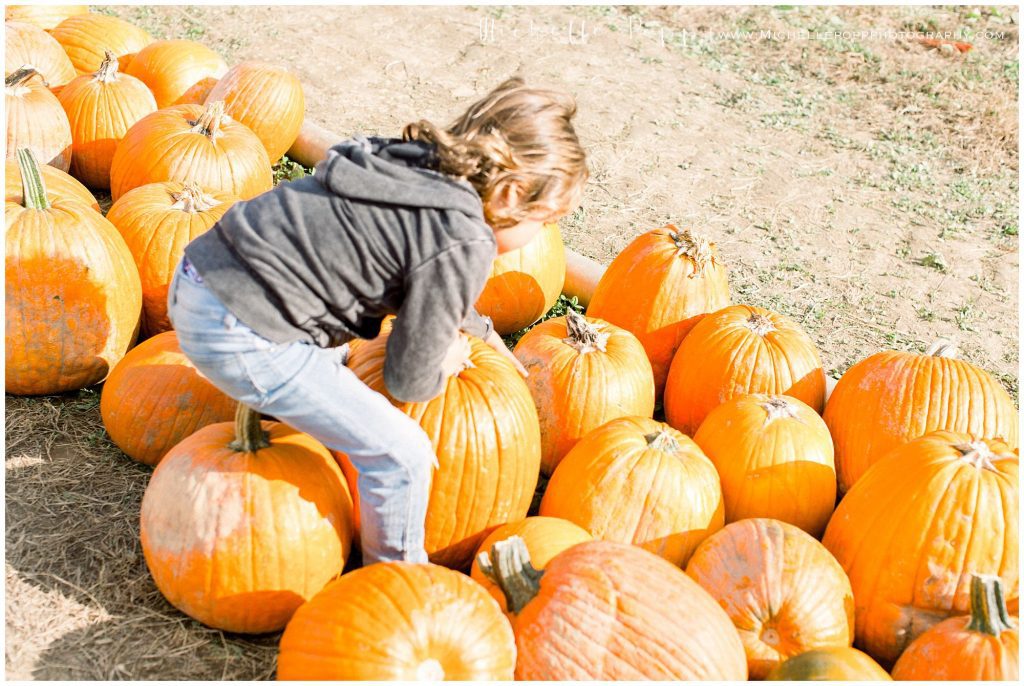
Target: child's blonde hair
{"x": 513, "y": 134}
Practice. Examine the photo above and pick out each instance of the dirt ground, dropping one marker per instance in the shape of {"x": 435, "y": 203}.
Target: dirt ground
{"x": 863, "y": 183}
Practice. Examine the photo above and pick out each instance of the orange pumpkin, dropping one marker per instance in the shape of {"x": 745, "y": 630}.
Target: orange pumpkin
{"x": 154, "y": 399}
{"x": 197, "y": 94}
{"x": 35, "y": 119}
{"x": 45, "y": 17}
{"x": 658, "y": 288}
{"x": 86, "y": 38}
{"x": 191, "y": 143}
{"x": 829, "y": 664}
{"x": 59, "y": 186}
{"x": 171, "y": 67}
{"x": 157, "y": 221}
{"x": 73, "y": 293}
{"x": 29, "y": 44}
{"x": 484, "y": 430}
{"x": 266, "y": 98}
{"x": 525, "y": 283}
{"x": 636, "y": 480}
{"x": 738, "y": 350}
{"x": 981, "y": 647}
{"x": 583, "y": 373}
{"x": 774, "y": 455}
{"x": 544, "y": 538}
{"x": 784, "y": 592}
{"x": 915, "y": 527}
{"x": 609, "y": 611}
{"x": 243, "y": 522}
{"x": 101, "y": 108}
{"x": 398, "y": 621}
{"x": 892, "y": 397}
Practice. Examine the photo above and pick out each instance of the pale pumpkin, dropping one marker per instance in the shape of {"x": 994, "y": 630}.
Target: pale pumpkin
{"x": 169, "y": 68}
{"x": 45, "y": 17}
{"x": 35, "y": 119}
{"x": 29, "y": 44}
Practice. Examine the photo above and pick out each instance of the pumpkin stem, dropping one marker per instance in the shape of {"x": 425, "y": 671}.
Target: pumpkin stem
{"x": 192, "y": 199}
{"x": 21, "y": 75}
{"x": 108, "y": 68}
{"x": 508, "y": 566}
{"x": 249, "y": 433}
{"x": 777, "y": 407}
{"x": 760, "y": 324}
{"x": 977, "y": 453}
{"x": 694, "y": 246}
{"x": 942, "y": 348}
{"x": 988, "y": 609}
{"x": 662, "y": 440}
{"x": 32, "y": 188}
{"x": 583, "y": 335}
{"x": 209, "y": 121}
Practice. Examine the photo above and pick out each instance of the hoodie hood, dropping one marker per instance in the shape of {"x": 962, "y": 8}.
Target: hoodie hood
{"x": 394, "y": 172}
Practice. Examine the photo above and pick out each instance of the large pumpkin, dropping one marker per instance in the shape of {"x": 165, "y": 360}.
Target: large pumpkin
{"x": 983, "y": 646}
{"x": 636, "y": 480}
{"x": 738, "y": 350}
{"x": 154, "y": 399}
{"x": 544, "y": 538}
{"x": 191, "y": 143}
{"x": 829, "y": 664}
{"x": 29, "y": 44}
{"x": 658, "y": 288}
{"x": 86, "y": 38}
{"x": 892, "y": 397}
{"x": 603, "y": 611}
{"x": 266, "y": 98}
{"x": 58, "y": 185}
{"x": 774, "y": 455}
{"x": 525, "y": 283}
{"x": 101, "y": 108}
{"x": 157, "y": 221}
{"x": 583, "y": 373}
{"x": 35, "y": 119}
{"x": 398, "y": 621}
{"x": 916, "y": 526}
{"x": 784, "y": 592}
{"x": 171, "y": 67}
{"x": 73, "y": 292}
{"x": 243, "y": 522}
{"x": 484, "y": 430}
{"x": 44, "y": 16}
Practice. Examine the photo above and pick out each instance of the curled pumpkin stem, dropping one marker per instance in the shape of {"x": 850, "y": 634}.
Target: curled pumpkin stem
{"x": 694, "y": 246}
{"x": 249, "y": 433}
{"x": 508, "y": 566}
{"x": 583, "y": 335}
{"x": 209, "y": 121}
{"x": 108, "y": 68}
{"x": 192, "y": 199}
{"x": 19, "y": 76}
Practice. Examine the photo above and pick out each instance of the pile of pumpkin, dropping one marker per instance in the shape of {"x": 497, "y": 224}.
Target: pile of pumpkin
{"x": 706, "y": 543}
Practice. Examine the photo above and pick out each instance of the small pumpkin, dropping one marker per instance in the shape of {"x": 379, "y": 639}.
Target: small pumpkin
{"x": 603, "y": 611}
{"x": 45, "y": 17}
{"x": 29, "y": 44}
{"x": 398, "y": 621}
{"x": 583, "y": 373}
{"x": 829, "y": 664}
{"x": 73, "y": 292}
{"x": 916, "y": 526}
{"x": 35, "y": 119}
{"x": 892, "y": 397}
{"x": 544, "y": 538}
{"x": 86, "y": 38}
{"x": 658, "y": 288}
{"x": 101, "y": 108}
{"x": 155, "y": 398}
{"x": 243, "y": 522}
{"x": 157, "y": 221}
{"x": 265, "y": 97}
{"x": 636, "y": 480}
{"x": 983, "y": 646}
{"x": 774, "y": 456}
{"x": 171, "y": 67}
{"x": 524, "y": 283}
{"x": 58, "y": 185}
{"x": 738, "y": 350}
{"x": 191, "y": 143}
{"x": 784, "y": 592}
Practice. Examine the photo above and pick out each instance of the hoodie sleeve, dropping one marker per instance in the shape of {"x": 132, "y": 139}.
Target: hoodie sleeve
{"x": 439, "y": 297}
{"x": 476, "y": 324}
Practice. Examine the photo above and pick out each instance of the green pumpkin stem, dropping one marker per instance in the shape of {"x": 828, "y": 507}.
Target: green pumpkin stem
{"x": 249, "y": 433}
{"x": 942, "y": 348}
{"x": 694, "y": 246}
{"x": 988, "y": 609}
{"x": 108, "y": 68}
{"x": 209, "y": 121}
{"x": 32, "y": 188}
{"x": 583, "y": 335}
{"x": 508, "y": 566}
{"x": 21, "y": 75}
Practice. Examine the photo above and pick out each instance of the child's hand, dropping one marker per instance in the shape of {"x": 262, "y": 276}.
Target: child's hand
{"x": 457, "y": 357}
{"x": 494, "y": 340}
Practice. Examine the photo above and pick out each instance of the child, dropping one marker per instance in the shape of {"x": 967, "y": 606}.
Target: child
{"x": 384, "y": 226}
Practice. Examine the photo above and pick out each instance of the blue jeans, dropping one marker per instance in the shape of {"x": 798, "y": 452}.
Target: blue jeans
{"x": 310, "y": 389}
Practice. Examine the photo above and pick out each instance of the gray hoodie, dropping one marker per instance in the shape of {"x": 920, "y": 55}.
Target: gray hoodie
{"x": 375, "y": 231}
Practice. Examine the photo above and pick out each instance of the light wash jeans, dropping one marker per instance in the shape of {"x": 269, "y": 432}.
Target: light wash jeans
{"x": 310, "y": 389}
